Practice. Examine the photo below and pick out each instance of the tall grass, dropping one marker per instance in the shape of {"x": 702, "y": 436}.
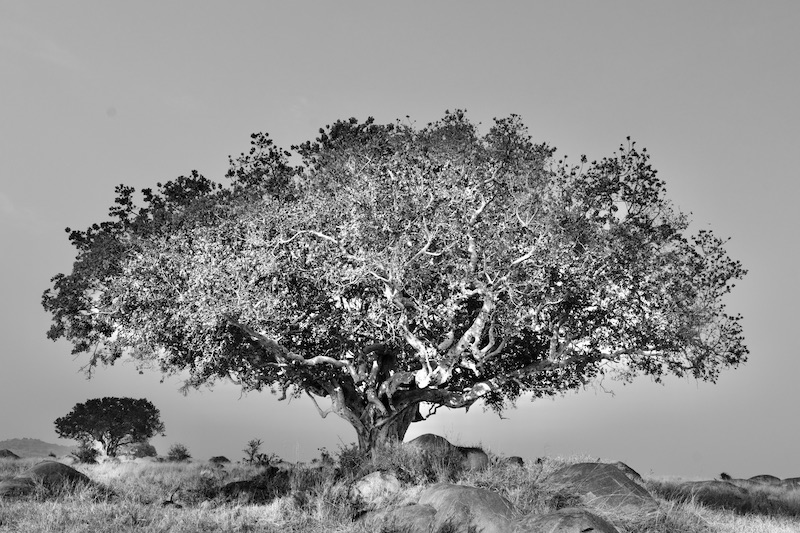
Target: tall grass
{"x": 187, "y": 497}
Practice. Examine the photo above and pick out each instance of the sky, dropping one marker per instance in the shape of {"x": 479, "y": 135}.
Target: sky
{"x": 94, "y": 94}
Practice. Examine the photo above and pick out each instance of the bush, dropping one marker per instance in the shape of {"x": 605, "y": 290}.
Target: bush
{"x": 178, "y": 453}
{"x": 142, "y": 449}
{"x": 85, "y": 452}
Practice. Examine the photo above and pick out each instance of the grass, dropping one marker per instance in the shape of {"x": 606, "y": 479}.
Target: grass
{"x": 130, "y": 497}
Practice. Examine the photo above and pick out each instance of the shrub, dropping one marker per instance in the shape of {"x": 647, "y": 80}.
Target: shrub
{"x": 85, "y": 452}
{"x": 142, "y": 449}
{"x": 178, "y": 453}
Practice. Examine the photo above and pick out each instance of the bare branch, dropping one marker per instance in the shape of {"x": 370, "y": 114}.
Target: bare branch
{"x": 322, "y": 413}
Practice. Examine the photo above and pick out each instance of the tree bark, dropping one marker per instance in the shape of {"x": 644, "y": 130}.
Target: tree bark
{"x": 386, "y": 430}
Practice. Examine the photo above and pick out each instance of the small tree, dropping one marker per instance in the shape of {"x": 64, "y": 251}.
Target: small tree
{"x": 398, "y": 266}
{"x": 85, "y": 452}
{"x": 251, "y": 453}
{"x": 142, "y": 449}
{"x": 112, "y": 422}
{"x": 178, "y": 453}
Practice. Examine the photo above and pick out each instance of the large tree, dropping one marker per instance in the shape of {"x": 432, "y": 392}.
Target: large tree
{"x": 393, "y": 266}
{"x": 111, "y": 422}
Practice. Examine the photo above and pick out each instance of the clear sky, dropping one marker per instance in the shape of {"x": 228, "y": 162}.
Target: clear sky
{"x": 93, "y": 94}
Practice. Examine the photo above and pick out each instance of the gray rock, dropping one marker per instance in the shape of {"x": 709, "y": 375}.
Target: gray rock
{"x": 270, "y": 484}
{"x": 51, "y": 473}
{"x": 567, "y": 520}
{"x": 408, "y": 519}
{"x": 767, "y": 479}
{"x": 16, "y": 487}
{"x": 603, "y": 485}
{"x": 791, "y": 483}
{"x": 514, "y": 460}
{"x": 717, "y": 494}
{"x": 472, "y": 458}
{"x": 462, "y": 507}
{"x": 632, "y": 474}
{"x": 374, "y": 489}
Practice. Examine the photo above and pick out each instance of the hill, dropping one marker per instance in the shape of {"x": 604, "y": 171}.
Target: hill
{"x": 34, "y": 447}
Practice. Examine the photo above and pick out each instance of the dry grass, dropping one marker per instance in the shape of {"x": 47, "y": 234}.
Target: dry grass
{"x": 318, "y": 500}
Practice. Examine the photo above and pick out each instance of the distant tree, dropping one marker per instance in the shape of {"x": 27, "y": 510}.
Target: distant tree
{"x": 178, "y": 453}
{"x": 112, "y": 422}
{"x": 251, "y": 452}
{"x": 141, "y": 449}
{"x": 219, "y": 460}
{"x": 397, "y": 266}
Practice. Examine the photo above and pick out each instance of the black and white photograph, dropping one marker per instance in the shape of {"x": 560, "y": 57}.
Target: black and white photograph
{"x": 424, "y": 267}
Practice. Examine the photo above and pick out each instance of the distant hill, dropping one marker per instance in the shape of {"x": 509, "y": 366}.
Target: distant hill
{"x": 34, "y": 448}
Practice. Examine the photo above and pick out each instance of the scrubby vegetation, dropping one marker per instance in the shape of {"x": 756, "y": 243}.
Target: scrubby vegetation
{"x": 183, "y": 497}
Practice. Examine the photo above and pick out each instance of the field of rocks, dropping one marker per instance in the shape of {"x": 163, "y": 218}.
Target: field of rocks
{"x": 426, "y": 485}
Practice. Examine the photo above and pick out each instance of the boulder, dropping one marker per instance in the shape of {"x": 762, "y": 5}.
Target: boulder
{"x": 52, "y": 473}
{"x": 632, "y": 474}
{"x": 461, "y": 508}
{"x": 514, "y": 460}
{"x": 16, "y": 487}
{"x": 374, "y": 489}
{"x": 716, "y": 494}
{"x": 408, "y": 519}
{"x": 566, "y": 520}
{"x": 472, "y": 458}
{"x": 604, "y": 485}
{"x": 270, "y": 484}
{"x": 8, "y": 454}
{"x": 767, "y": 479}
{"x": 791, "y": 483}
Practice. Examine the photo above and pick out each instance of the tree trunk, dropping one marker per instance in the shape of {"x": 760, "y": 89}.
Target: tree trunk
{"x": 386, "y": 430}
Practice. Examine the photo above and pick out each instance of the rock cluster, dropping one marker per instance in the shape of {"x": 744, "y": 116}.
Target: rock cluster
{"x": 604, "y": 488}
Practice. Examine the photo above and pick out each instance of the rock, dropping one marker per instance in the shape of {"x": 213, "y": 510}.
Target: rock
{"x": 16, "y": 487}
{"x": 270, "y": 484}
{"x": 472, "y": 458}
{"x": 791, "y": 483}
{"x": 431, "y": 442}
{"x": 408, "y": 519}
{"x": 374, "y": 489}
{"x": 8, "y": 454}
{"x": 462, "y": 507}
{"x": 604, "y": 485}
{"x": 566, "y": 520}
{"x": 717, "y": 494}
{"x": 632, "y": 474}
{"x": 514, "y": 460}
{"x": 766, "y": 478}
{"x": 51, "y": 473}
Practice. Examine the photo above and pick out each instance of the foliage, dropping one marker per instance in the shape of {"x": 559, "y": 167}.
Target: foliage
{"x": 178, "y": 453}
{"x": 141, "y": 449}
{"x": 113, "y": 422}
{"x": 85, "y": 452}
{"x": 395, "y": 266}
{"x": 251, "y": 452}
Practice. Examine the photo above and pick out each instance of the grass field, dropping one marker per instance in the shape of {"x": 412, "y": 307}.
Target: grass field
{"x": 187, "y": 498}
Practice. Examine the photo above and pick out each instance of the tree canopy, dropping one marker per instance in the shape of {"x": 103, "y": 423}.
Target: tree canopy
{"x": 113, "y": 422}
{"x": 386, "y": 266}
